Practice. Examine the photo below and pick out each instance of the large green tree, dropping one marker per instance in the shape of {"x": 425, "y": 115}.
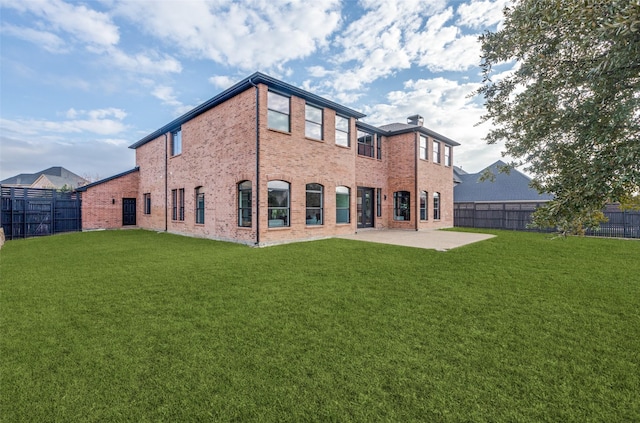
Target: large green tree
{"x": 570, "y": 111}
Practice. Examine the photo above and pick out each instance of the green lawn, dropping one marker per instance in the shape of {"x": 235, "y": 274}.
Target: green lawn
{"x": 139, "y": 326}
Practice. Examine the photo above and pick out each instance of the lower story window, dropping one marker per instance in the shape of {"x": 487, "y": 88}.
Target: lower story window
{"x": 379, "y": 202}
{"x": 147, "y": 203}
{"x": 314, "y": 204}
{"x": 436, "y": 205}
{"x": 342, "y": 205}
{"x": 278, "y": 203}
{"x": 423, "y": 205}
{"x": 244, "y": 204}
{"x": 199, "y": 205}
{"x": 401, "y": 205}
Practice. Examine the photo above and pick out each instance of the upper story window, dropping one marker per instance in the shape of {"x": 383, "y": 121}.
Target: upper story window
{"x": 314, "y": 204}
{"x": 342, "y": 131}
{"x": 278, "y": 203}
{"x": 313, "y": 122}
{"x": 447, "y": 155}
{"x": 176, "y": 142}
{"x": 379, "y": 146}
{"x": 278, "y": 111}
{"x": 365, "y": 144}
{"x": 436, "y": 151}
{"x": 423, "y": 147}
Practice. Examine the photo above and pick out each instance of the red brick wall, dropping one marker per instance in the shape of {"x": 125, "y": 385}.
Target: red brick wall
{"x": 102, "y": 204}
{"x": 219, "y": 151}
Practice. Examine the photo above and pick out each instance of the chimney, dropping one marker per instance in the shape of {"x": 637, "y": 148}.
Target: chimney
{"x": 415, "y": 120}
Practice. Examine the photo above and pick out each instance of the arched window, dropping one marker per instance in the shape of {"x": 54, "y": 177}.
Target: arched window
{"x": 423, "y": 205}
{"x": 343, "y": 202}
{"x": 436, "y": 205}
{"x": 278, "y": 203}
{"x": 244, "y": 204}
{"x": 401, "y": 205}
{"x": 315, "y": 200}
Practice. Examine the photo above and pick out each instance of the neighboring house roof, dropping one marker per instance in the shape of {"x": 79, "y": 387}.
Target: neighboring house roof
{"x": 401, "y": 128}
{"x": 245, "y": 84}
{"x": 110, "y": 178}
{"x": 514, "y": 186}
{"x": 53, "y": 177}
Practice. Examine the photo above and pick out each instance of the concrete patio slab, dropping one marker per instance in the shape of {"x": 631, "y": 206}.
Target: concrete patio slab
{"x": 431, "y": 239}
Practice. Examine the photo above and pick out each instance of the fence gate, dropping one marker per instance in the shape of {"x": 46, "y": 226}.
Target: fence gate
{"x": 29, "y": 212}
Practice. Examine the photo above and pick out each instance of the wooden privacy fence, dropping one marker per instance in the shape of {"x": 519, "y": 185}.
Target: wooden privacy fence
{"x": 29, "y": 212}
{"x": 516, "y": 216}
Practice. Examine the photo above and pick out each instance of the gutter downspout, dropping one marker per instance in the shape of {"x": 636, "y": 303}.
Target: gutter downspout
{"x": 166, "y": 183}
{"x": 257, "y": 162}
{"x": 416, "y": 197}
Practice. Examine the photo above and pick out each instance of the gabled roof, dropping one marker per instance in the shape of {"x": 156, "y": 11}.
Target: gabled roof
{"x": 58, "y": 175}
{"x": 514, "y": 186}
{"x": 110, "y": 178}
{"x": 245, "y": 84}
{"x": 403, "y": 128}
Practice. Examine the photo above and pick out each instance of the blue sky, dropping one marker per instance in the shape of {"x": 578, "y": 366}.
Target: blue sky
{"x": 81, "y": 81}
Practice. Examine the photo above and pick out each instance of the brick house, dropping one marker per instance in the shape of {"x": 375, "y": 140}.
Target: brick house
{"x": 265, "y": 162}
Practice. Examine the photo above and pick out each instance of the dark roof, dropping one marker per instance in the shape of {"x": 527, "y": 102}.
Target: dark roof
{"x": 110, "y": 178}
{"x": 402, "y": 128}
{"x": 56, "y": 174}
{"x": 245, "y": 84}
{"x": 514, "y": 186}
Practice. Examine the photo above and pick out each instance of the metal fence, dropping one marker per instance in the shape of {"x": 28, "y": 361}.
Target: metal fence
{"x": 517, "y": 216}
{"x": 30, "y": 212}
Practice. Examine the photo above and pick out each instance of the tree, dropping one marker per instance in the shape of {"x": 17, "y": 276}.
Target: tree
{"x": 570, "y": 111}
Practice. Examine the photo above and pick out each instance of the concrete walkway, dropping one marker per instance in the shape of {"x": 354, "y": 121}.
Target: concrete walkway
{"x": 431, "y": 239}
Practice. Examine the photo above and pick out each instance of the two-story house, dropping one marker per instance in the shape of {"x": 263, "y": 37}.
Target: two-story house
{"x": 265, "y": 162}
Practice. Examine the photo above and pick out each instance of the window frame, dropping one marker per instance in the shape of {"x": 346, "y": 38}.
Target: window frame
{"x": 314, "y": 124}
{"x": 436, "y": 152}
{"x": 436, "y": 206}
{"x": 272, "y": 111}
{"x": 147, "y": 202}
{"x": 245, "y": 220}
{"x": 174, "y": 204}
{"x": 402, "y": 206}
{"x": 424, "y": 152}
{"x": 366, "y": 149}
{"x": 378, "y": 202}
{"x": 424, "y": 209}
{"x": 181, "y": 204}
{"x": 176, "y": 147}
{"x": 339, "y": 209}
{"x": 447, "y": 155}
{"x": 279, "y": 212}
{"x": 347, "y": 132}
{"x": 199, "y": 209}
{"x": 318, "y": 211}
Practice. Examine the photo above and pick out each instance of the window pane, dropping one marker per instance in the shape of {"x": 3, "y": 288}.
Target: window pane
{"x": 401, "y": 205}
{"x": 313, "y": 114}
{"x": 342, "y": 138}
{"x": 313, "y": 130}
{"x": 278, "y": 203}
{"x": 342, "y": 204}
{"x": 278, "y": 121}
{"x": 278, "y": 102}
{"x": 342, "y": 123}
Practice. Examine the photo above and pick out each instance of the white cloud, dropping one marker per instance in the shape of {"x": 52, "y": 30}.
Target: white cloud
{"x": 47, "y": 40}
{"x": 222, "y": 82}
{"x": 84, "y": 24}
{"x": 480, "y": 14}
{"x": 248, "y": 34}
{"x": 146, "y": 63}
{"x": 100, "y": 121}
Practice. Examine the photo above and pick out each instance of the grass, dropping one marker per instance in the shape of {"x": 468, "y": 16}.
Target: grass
{"x": 147, "y": 327}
